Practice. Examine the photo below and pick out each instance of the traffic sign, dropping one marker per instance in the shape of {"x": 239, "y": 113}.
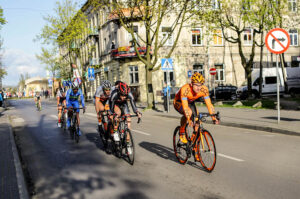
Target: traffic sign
{"x": 167, "y": 64}
{"x": 277, "y": 40}
{"x": 213, "y": 71}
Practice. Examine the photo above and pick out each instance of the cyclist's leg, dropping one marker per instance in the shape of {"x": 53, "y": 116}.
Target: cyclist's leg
{"x": 178, "y": 107}
{"x": 100, "y": 108}
{"x": 59, "y": 108}
{"x": 76, "y": 105}
{"x": 118, "y": 111}
{"x": 70, "y": 105}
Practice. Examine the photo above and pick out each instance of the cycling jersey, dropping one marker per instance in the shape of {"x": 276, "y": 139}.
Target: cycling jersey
{"x": 116, "y": 100}
{"x": 38, "y": 97}
{"x": 186, "y": 96}
{"x": 72, "y": 99}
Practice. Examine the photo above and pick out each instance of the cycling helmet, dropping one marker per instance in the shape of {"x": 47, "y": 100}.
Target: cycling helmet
{"x": 106, "y": 84}
{"x": 62, "y": 90}
{"x": 75, "y": 85}
{"x": 117, "y": 82}
{"x": 197, "y": 78}
{"x": 123, "y": 89}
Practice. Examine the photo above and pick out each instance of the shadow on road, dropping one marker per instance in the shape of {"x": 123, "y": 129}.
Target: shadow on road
{"x": 166, "y": 153}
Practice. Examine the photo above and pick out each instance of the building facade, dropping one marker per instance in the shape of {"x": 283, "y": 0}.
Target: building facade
{"x": 107, "y": 48}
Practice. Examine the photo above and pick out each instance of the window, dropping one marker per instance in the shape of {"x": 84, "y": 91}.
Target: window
{"x": 294, "y": 37}
{"x": 171, "y": 76}
{"x": 247, "y": 37}
{"x": 220, "y": 76}
{"x": 167, "y": 36}
{"x": 271, "y": 80}
{"x": 198, "y": 68}
{"x": 215, "y": 4}
{"x": 134, "y": 74}
{"x": 217, "y": 37}
{"x": 196, "y": 37}
{"x": 292, "y": 4}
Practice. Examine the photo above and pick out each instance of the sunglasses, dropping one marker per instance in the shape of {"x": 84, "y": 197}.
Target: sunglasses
{"x": 106, "y": 89}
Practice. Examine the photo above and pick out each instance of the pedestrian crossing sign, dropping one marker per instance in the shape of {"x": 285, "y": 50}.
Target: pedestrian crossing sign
{"x": 167, "y": 64}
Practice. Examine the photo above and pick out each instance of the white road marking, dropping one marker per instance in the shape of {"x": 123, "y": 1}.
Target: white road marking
{"x": 91, "y": 114}
{"x": 141, "y": 132}
{"x": 53, "y": 116}
{"x": 230, "y": 157}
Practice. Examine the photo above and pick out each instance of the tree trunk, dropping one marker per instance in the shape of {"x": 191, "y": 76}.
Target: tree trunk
{"x": 249, "y": 80}
{"x": 149, "y": 89}
{"x": 260, "y": 65}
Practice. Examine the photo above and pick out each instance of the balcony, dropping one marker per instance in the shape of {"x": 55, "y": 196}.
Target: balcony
{"x": 94, "y": 62}
{"x": 93, "y": 32}
{"x": 127, "y": 52}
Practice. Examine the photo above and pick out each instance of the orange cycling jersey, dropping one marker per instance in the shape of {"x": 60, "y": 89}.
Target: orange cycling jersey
{"x": 186, "y": 95}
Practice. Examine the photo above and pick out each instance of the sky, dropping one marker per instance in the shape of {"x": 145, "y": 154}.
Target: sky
{"x": 24, "y": 21}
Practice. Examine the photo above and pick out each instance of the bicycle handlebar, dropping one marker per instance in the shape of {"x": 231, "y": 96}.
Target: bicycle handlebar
{"x": 203, "y": 115}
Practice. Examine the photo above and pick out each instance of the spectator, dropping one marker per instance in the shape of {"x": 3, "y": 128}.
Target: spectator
{"x": 1, "y": 98}
{"x": 166, "y": 92}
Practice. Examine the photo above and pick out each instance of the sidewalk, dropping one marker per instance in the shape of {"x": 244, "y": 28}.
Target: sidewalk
{"x": 257, "y": 119}
{"x": 12, "y": 184}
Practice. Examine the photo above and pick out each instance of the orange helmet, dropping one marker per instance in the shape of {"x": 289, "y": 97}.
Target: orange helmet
{"x": 197, "y": 78}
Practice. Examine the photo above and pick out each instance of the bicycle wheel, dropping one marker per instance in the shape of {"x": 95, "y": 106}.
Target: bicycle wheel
{"x": 76, "y": 135}
{"x": 129, "y": 146}
{"x": 207, "y": 151}
{"x": 102, "y": 135}
{"x": 180, "y": 149}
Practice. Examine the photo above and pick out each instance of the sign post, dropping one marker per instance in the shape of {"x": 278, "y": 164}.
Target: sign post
{"x": 167, "y": 65}
{"x": 213, "y": 72}
{"x": 277, "y": 41}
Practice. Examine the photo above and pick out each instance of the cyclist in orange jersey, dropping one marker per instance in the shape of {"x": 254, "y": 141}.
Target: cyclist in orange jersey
{"x": 184, "y": 103}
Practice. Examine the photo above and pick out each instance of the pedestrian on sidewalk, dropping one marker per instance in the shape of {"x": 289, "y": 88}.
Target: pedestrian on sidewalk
{"x": 1, "y": 98}
{"x": 166, "y": 92}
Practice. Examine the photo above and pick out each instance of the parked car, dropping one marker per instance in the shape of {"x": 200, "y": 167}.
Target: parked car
{"x": 226, "y": 92}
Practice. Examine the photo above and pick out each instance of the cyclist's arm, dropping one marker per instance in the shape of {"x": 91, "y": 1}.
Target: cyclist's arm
{"x": 132, "y": 102}
{"x": 58, "y": 99}
{"x": 68, "y": 97}
{"x": 112, "y": 102}
{"x": 209, "y": 105}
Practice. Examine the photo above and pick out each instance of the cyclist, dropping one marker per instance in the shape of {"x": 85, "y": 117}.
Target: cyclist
{"x": 184, "y": 103}
{"x": 61, "y": 101}
{"x": 38, "y": 99}
{"x": 72, "y": 102}
{"x": 118, "y": 105}
{"x": 101, "y": 100}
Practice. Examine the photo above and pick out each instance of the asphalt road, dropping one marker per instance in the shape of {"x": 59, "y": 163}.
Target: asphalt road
{"x": 250, "y": 164}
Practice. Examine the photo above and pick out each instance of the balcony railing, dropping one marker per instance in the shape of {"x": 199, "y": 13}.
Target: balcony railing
{"x": 127, "y": 52}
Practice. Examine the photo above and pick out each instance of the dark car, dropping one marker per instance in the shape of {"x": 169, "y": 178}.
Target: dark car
{"x": 226, "y": 92}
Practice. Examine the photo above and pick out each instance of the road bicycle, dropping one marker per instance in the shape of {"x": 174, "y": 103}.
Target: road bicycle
{"x": 125, "y": 145}
{"x": 74, "y": 130}
{"x": 101, "y": 128}
{"x": 64, "y": 118}
{"x": 200, "y": 143}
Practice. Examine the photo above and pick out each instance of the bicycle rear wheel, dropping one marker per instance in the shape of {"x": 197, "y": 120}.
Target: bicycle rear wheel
{"x": 207, "y": 151}
{"x": 180, "y": 149}
{"x": 129, "y": 146}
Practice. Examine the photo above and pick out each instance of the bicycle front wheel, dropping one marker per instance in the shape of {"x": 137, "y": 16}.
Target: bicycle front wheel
{"x": 180, "y": 149}
{"x": 207, "y": 150}
{"x": 129, "y": 146}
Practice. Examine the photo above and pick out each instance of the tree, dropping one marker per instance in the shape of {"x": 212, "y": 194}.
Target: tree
{"x": 151, "y": 15}
{"x": 63, "y": 29}
{"x": 236, "y": 17}
{"x": 2, "y": 22}
{"x": 22, "y": 80}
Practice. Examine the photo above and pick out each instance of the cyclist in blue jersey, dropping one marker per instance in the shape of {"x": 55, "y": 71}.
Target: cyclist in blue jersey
{"x": 72, "y": 97}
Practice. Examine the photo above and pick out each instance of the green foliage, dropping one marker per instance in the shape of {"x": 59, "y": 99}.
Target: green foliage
{"x": 22, "y": 80}
{"x": 2, "y": 19}
{"x": 49, "y": 57}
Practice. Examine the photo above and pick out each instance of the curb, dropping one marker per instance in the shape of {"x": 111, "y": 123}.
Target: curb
{"x": 245, "y": 126}
{"x": 19, "y": 172}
